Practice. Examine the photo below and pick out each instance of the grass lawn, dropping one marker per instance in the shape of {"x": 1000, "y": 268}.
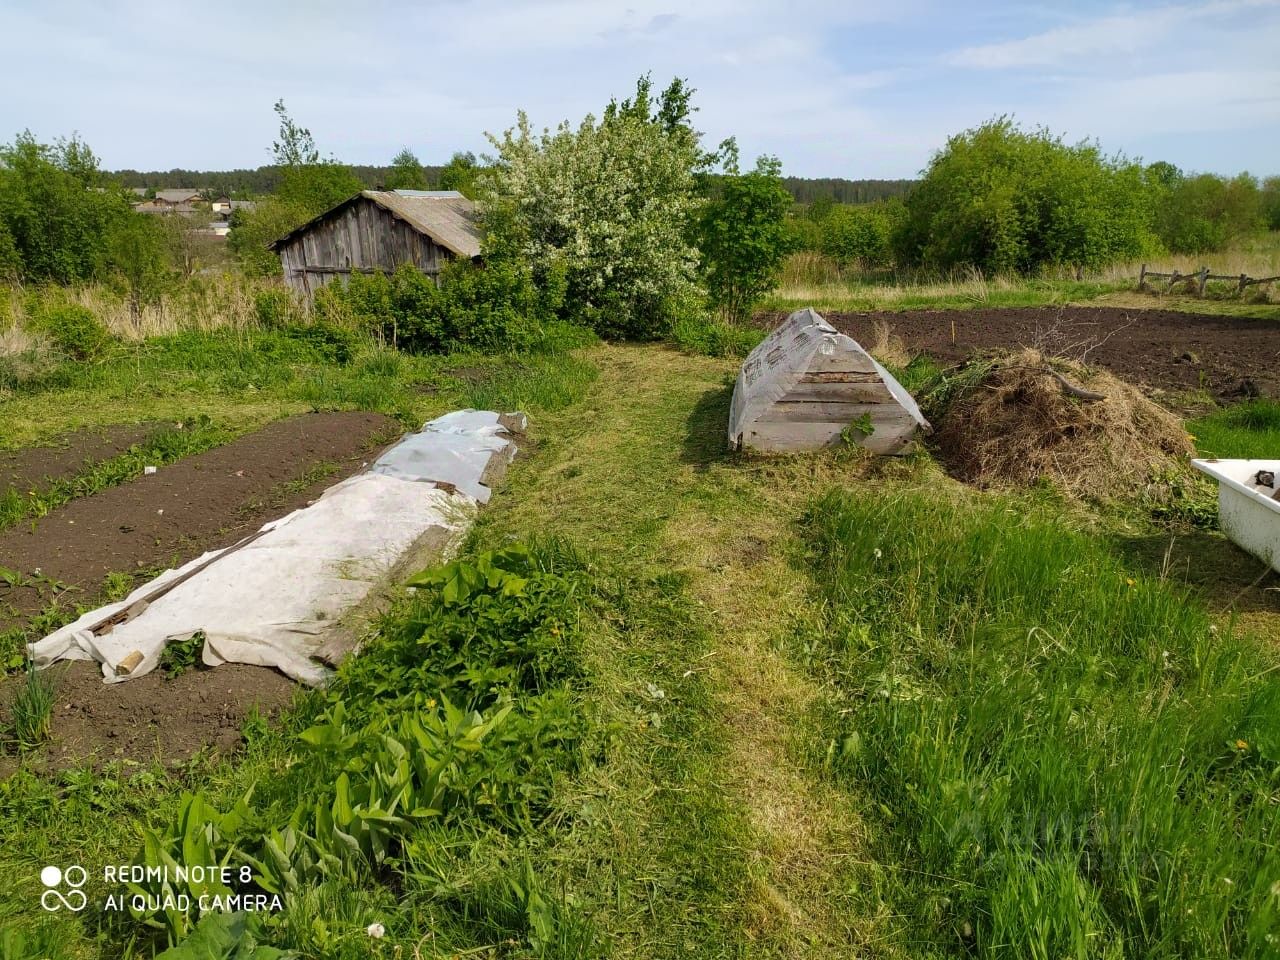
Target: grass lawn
{"x": 823, "y": 706}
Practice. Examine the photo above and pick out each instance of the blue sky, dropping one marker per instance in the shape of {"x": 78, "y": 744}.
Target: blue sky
{"x": 851, "y": 89}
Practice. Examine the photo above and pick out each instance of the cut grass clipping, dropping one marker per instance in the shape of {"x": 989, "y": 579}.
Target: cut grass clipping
{"x": 1065, "y": 760}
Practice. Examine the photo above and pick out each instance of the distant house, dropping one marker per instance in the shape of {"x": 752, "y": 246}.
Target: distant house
{"x": 159, "y": 206}
{"x": 177, "y": 195}
{"x": 380, "y": 230}
{"x": 221, "y": 205}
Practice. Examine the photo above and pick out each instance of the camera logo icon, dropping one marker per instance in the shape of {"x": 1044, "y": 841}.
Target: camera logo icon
{"x": 54, "y": 878}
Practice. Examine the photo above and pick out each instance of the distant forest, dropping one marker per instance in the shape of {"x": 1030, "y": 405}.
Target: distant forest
{"x": 243, "y": 184}
{"x": 807, "y": 190}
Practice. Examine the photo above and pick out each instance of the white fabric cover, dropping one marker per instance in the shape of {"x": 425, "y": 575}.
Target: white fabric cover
{"x": 273, "y": 599}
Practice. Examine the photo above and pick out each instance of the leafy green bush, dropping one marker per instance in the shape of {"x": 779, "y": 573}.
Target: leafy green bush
{"x": 742, "y": 235}
{"x": 477, "y": 630}
{"x": 861, "y": 235}
{"x": 1007, "y": 201}
{"x": 1270, "y": 203}
{"x": 275, "y": 309}
{"x": 491, "y": 307}
{"x": 332, "y": 342}
{"x": 57, "y": 211}
{"x": 74, "y": 329}
{"x": 1202, "y": 213}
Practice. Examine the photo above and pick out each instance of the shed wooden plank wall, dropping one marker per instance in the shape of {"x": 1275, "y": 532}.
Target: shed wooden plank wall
{"x": 363, "y": 237}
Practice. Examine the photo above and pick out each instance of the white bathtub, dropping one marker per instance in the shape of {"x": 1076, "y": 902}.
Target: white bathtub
{"x": 1248, "y": 511}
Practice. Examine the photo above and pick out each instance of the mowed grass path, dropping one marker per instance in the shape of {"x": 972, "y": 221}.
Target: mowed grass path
{"x": 729, "y": 819}
{"x": 716, "y": 838}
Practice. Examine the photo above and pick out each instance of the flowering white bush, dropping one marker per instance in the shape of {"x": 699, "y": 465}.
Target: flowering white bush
{"x": 603, "y": 209}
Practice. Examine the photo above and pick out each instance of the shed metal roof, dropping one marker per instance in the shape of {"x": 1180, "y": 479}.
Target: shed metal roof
{"x": 446, "y": 216}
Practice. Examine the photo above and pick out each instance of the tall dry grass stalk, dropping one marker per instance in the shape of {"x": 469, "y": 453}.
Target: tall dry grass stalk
{"x": 812, "y": 276}
{"x": 200, "y": 303}
{"x": 16, "y": 341}
{"x": 223, "y": 301}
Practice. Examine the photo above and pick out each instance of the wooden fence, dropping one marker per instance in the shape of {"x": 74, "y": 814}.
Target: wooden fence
{"x": 1200, "y": 278}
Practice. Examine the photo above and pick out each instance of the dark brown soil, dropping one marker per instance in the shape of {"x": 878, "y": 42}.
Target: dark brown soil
{"x": 201, "y": 503}
{"x": 155, "y": 717}
{"x": 1157, "y": 349}
{"x": 33, "y": 467}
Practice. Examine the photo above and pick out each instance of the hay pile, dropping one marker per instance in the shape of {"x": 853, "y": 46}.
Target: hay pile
{"x": 1018, "y": 419}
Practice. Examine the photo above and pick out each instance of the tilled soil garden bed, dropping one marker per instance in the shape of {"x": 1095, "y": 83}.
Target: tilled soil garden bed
{"x": 200, "y": 503}
{"x": 32, "y": 467}
{"x": 1159, "y": 349}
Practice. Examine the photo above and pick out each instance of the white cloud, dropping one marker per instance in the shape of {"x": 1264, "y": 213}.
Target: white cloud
{"x": 1113, "y": 35}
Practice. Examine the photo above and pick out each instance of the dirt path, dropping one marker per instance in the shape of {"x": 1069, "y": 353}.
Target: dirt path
{"x": 1162, "y": 349}
{"x": 640, "y": 472}
{"x": 197, "y": 504}
{"x": 33, "y": 467}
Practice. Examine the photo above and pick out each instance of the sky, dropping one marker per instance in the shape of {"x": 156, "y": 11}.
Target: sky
{"x": 834, "y": 88}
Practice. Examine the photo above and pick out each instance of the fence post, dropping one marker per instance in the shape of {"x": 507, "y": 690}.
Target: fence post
{"x": 1173, "y": 281}
{"x": 1204, "y": 278}
{"x": 1244, "y": 282}
{"x": 1142, "y": 278}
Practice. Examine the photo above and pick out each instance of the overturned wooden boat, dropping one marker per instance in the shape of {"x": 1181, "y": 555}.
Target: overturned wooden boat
{"x": 1248, "y": 504}
{"x": 808, "y": 386}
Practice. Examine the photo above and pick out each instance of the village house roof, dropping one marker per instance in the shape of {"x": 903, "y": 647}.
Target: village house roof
{"x": 178, "y": 195}
{"x": 446, "y": 216}
{"x": 152, "y": 206}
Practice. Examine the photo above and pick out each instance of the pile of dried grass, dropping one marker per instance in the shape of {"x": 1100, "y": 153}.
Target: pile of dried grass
{"x": 1018, "y": 419}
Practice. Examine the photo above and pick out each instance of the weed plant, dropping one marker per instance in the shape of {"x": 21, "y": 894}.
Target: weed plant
{"x": 32, "y": 710}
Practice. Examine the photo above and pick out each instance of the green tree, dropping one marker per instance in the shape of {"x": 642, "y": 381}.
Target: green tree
{"x": 1270, "y": 202}
{"x": 1006, "y": 200}
{"x": 308, "y": 187}
{"x": 606, "y": 207}
{"x": 296, "y": 147}
{"x": 57, "y": 212}
{"x": 1201, "y": 213}
{"x": 139, "y": 256}
{"x": 742, "y": 234}
{"x": 460, "y": 174}
{"x": 406, "y": 172}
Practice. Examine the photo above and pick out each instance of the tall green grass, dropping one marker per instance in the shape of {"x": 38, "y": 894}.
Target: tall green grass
{"x": 1248, "y": 430}
{"x": 1066, "y": 760}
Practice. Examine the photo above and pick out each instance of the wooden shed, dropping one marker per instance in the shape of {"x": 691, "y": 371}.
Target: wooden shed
{"x": 808, "y": 386}
{"x": 379, "y": 230}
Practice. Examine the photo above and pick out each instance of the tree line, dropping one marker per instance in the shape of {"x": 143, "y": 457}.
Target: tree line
{"x": 247, "y": 184}
{"x": 626, "y": 223}
{"x": 1004, "y": 199}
